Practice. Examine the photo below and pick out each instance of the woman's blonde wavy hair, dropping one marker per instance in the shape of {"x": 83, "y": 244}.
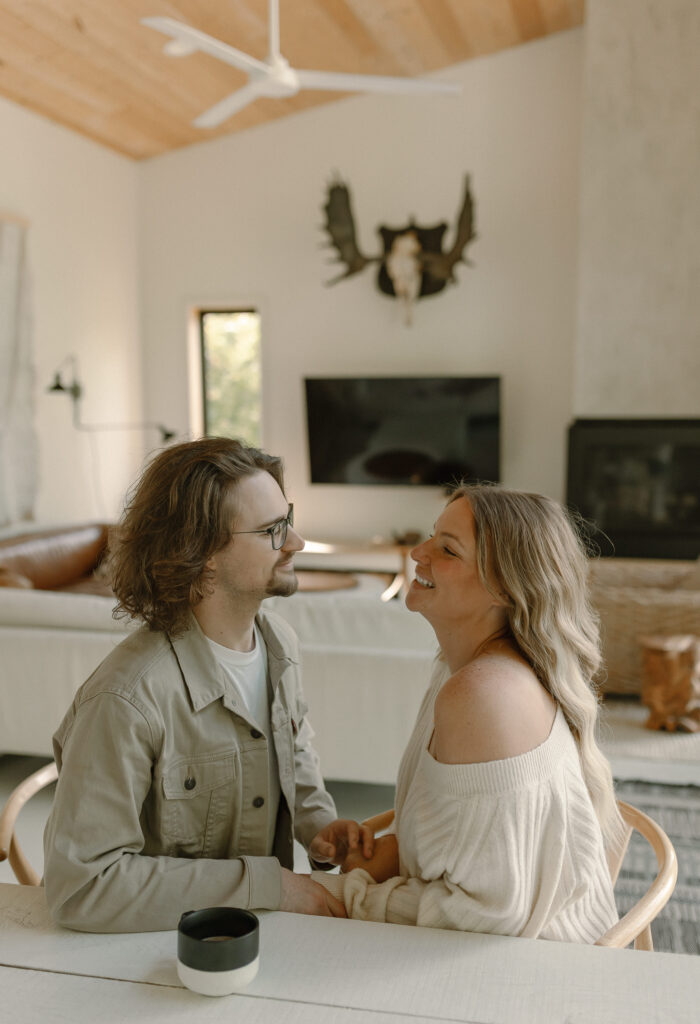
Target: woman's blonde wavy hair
{"x": 527, "y": 545}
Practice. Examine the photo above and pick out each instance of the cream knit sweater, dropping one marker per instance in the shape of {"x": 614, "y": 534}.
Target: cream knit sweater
{"x": 511, "y": 847}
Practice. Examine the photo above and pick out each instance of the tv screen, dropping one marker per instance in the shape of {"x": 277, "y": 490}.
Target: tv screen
{"x": 415, "y": 431}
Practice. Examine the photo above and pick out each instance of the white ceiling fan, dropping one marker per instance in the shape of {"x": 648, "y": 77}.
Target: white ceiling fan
{"x": 274, "y": 77}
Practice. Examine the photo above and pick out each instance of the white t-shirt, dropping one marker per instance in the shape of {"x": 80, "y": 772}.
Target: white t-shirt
{"x": 246, "y": 674}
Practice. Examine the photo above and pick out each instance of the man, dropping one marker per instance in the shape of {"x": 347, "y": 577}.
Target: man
{"x": 185, "y": 761}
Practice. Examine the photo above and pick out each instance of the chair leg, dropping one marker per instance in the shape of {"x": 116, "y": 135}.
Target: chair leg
{"x": 24, "y": 872}
{"x": 643, "y": 940}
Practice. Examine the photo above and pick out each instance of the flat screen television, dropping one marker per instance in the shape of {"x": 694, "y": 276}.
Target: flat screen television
{"x": 408, "y": 431}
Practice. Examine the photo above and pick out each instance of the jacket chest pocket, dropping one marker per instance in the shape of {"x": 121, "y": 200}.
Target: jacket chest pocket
{"x": 198, "y": 794}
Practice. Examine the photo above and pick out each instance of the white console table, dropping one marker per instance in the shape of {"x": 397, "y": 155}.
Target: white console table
{"x": 319, "y": 970}
{"x": 362, "y": 556}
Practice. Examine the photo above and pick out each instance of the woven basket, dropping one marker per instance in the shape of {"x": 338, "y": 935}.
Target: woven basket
{"x": 638, "y": 596}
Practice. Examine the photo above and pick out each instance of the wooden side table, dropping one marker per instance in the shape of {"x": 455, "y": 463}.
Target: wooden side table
{"x": 671, "y": 682}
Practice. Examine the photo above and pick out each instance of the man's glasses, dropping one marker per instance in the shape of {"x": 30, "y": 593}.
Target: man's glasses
{"x": 277, "y": 532}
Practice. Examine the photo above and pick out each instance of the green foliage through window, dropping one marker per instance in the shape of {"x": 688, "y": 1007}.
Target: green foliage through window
{"x": 231, "y": 374}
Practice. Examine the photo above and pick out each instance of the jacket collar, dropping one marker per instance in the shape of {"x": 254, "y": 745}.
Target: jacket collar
{"x": 204, "y": 677}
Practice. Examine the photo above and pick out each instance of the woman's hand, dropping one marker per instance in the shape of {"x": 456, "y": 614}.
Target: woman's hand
{"x": 383, "y": 864}
{"x": 340, "y": 840}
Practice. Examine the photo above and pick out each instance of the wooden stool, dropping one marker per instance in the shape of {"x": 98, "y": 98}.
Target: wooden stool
{"x": 671, "y": 682}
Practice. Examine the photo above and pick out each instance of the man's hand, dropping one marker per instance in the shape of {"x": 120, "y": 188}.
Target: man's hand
{"x": 334, "y": 843}
{"x": 383, "y": 864}
{"x": 301, "y": 895}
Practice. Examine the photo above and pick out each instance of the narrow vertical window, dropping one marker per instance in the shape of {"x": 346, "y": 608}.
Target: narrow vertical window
{"x": 231, "y": 373}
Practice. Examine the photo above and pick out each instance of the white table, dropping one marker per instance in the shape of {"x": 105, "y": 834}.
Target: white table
{"x": 322, "y": 971}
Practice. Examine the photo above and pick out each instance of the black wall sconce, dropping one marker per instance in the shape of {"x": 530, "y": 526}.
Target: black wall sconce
{"x": 75, "y": 390}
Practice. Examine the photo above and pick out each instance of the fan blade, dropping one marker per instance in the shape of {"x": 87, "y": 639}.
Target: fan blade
{"x": 230, "y": 105}
{"x": 372, "y": 83}
{"x": 192, "y": 39}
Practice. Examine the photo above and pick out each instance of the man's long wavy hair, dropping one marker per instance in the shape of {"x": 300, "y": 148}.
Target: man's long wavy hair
{"x": 178, "y": 514}
{"x": 528, "y": 547}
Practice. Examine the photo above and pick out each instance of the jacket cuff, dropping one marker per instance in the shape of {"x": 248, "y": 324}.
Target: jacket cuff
{"x": 265, "y": 874}
{"x": 321, "y": 865}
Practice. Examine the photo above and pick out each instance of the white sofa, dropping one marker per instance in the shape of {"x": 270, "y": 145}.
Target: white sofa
{"x": 49, "y": 644}
{"x": 365, "y": 662}
{"x": 365, "y": 668}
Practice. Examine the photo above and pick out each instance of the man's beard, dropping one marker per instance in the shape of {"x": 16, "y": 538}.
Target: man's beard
{"x": 282, "y": 584}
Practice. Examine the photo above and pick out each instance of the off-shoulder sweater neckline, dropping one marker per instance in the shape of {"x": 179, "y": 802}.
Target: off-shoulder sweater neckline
{"x": 534, "y": 766}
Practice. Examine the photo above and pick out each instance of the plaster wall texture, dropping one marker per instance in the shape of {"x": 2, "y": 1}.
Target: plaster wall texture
{"x": 638, "y": 323}
{"x": 80, "y": 202}
{"x": 238, "y": 219}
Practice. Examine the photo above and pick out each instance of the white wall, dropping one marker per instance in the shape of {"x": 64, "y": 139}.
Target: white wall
{"x": 596, "y": 313}
{"x": 638, "y": 340}
{"x": 80, "y": 201}
{"x": 237, "y": 219}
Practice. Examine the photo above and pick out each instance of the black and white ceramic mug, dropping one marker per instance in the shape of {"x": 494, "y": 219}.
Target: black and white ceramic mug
{"x": 217, "y": 950}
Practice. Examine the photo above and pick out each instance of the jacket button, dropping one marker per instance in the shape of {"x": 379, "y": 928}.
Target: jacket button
{"x": 259, "y": 801}
{"x": 190, "y": 783}
{"x": 255, "y": 733}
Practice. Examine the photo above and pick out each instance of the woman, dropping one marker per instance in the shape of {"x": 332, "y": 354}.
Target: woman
{"x": 504, "y": 803}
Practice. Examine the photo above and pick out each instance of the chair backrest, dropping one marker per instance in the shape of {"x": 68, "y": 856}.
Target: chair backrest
{"x": 9, "y": 847}
{"x": 635, "y": 925}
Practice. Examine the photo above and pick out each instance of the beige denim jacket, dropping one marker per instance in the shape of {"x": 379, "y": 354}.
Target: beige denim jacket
{"x": 161, "y": 801}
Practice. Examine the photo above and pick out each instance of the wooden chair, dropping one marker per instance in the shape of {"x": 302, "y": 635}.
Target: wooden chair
{"x": 9, "y": 847}
{"x": 635, "y": 925}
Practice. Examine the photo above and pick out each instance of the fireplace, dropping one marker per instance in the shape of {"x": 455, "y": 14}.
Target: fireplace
{"x": 637, "y": 484}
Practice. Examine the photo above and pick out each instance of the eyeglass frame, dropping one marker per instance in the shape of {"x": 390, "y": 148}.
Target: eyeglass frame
{"x": 285, "y": 522}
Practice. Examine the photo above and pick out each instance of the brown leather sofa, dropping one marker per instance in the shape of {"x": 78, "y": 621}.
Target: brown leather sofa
{"x": 62, "y": 559}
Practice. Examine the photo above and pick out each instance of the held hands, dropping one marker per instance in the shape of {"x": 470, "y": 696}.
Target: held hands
{"x": 384, "y": 862}
{"x": 346, "y": 843}
{"x": 342, "y": 838}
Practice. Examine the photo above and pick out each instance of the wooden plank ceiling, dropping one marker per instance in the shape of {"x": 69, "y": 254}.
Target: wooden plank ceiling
{"x": 91, "y": 66}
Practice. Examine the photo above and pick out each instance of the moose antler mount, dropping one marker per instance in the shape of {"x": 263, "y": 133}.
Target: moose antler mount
{"x": 414, "y": 263}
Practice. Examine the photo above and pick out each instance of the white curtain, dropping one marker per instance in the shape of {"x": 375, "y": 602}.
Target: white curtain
{"x": 18, "y": 443}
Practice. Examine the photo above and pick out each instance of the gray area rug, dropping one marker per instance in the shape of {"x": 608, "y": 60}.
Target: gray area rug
{"x": 677, "y": 810}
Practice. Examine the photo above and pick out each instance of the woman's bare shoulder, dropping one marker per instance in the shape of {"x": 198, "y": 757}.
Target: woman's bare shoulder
{"x": 490, "y": 709}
